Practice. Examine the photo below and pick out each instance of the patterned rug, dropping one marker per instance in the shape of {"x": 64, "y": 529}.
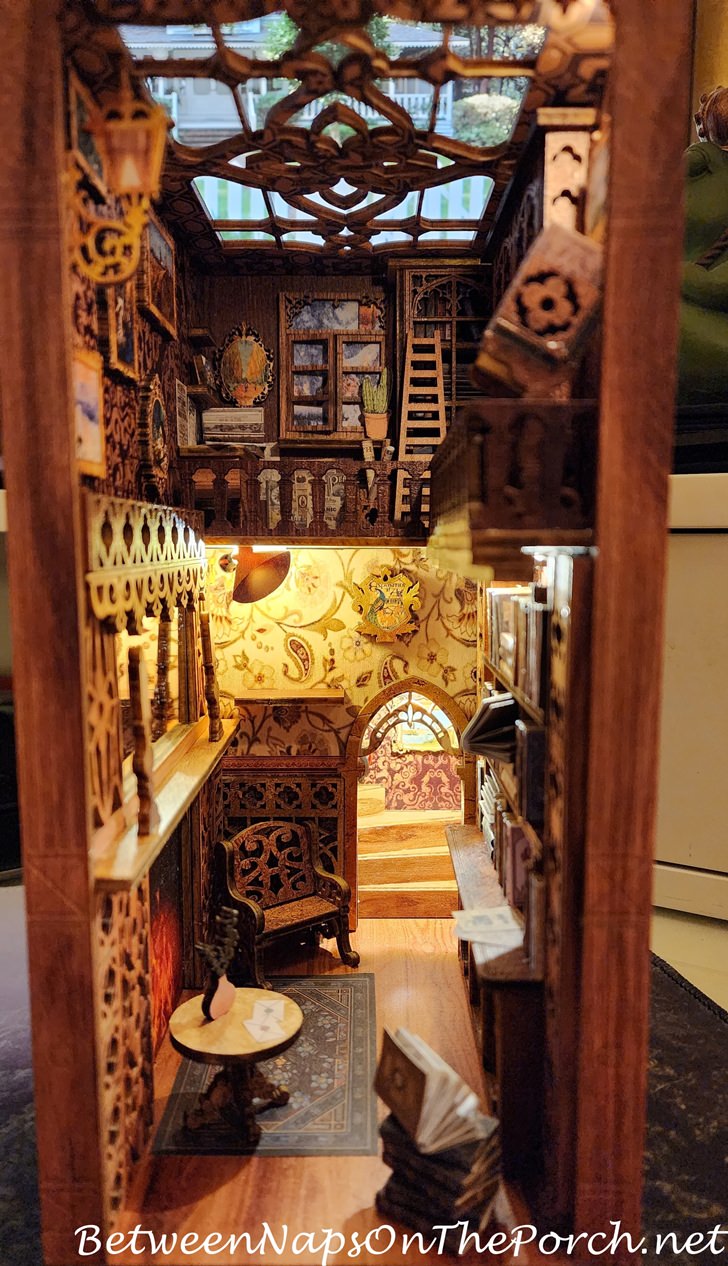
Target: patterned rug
{"x": 329, "y": 1071}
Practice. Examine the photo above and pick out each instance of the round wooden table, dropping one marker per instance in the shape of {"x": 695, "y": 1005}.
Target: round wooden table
{"x": 228, "y": 1042}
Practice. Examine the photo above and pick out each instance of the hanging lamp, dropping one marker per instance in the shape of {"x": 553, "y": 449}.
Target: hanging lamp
{"x": 259, "y": 573}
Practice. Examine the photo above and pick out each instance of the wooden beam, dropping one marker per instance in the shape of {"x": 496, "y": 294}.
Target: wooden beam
{"x": 45, "y": 573}
{"x": 644, "y": 251}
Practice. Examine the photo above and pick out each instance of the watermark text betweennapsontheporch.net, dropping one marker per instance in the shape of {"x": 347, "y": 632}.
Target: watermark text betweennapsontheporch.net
{"x": 325, "y": 1245}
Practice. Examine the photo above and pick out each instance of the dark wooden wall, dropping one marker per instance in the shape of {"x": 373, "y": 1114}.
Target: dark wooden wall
{"x": 227, "y": 301}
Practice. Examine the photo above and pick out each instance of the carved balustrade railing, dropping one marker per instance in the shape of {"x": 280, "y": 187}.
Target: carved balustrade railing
{"x": 512, "y": 473}
{"x": 300, "y": 498}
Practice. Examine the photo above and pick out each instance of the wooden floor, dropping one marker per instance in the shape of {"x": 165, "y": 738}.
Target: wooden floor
{"x": 418, "y": 985}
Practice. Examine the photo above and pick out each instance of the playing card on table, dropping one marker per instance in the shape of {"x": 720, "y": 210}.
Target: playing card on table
{"x": 272, "y": 1010}
{"x": 264, "y": 1030}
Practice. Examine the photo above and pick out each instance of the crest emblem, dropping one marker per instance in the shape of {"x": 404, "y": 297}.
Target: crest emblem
{"x": 386, "y": 601}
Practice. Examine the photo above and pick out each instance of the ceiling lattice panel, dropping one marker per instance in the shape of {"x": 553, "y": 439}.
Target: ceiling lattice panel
{"x": 355, "y": 137}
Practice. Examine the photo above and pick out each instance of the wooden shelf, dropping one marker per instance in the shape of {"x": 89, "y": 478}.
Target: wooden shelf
{"x": 128, "y": 859}
{"x": 200, "y": 336}
{"x": 478, "y": 886}
{"x": 315, "y": 694}
{"x": 534, "y": 712}
{"x": 204, "y": 397}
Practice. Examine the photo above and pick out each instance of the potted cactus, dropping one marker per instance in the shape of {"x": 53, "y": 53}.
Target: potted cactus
{"x": 375, "y": 399}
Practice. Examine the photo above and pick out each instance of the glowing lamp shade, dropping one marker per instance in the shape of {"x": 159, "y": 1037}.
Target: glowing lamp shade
{"x": 259, "y": 574}
{"x": 131, "y": 136}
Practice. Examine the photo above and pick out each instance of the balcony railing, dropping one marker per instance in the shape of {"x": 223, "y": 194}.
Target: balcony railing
{"x": 304, "y": 500}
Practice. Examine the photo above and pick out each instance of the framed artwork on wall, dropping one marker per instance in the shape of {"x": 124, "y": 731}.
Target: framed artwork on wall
{"x": 245, "y": 367}
{"x": 157, "y": 277}
{"x": 81, "y": 110}
{"x": 122, "y": 333}
{"x": 153, "y": 438}
{"x": 182, "y": 412}
{"x": 88, "y": 411}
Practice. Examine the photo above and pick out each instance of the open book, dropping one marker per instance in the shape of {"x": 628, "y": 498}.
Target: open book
{"x": 428, "y": 1098}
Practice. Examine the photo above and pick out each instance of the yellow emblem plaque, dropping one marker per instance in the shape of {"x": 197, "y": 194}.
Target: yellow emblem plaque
{"x": 386, "y": 601}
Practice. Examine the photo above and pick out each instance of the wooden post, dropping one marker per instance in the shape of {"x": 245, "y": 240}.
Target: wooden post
{"x": 47, "y": 611}
{"x": 644, "y": 251}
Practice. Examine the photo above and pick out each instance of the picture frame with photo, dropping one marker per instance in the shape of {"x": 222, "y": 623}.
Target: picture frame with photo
{"x": 122, "y": 329}
{"x": 205, "y": 371}
{"x": 157, "y": 289}
{"x": 81, "y": 111}
{"x": 88, "y": 411}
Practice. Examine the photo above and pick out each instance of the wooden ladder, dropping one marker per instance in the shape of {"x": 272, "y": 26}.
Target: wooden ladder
{"x": 423, "y": 422}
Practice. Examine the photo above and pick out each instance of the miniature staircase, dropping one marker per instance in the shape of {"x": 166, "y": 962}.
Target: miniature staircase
{"x": 405, "y": 870}
{"x": 423, "y": 421}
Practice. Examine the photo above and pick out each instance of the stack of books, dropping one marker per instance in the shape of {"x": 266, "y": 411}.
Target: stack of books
{"x": 444, "y": 1152}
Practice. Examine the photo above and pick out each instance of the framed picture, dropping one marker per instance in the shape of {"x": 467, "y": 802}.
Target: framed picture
{"x": 122, "y": 331}
{"x": 157, "y": 277}
{"x": 191, "y": 422}
{"x": 205, "y": 371}
{"x": 153, "y": 438}
{"x": 181, "y": 399}
{"x": 245, "y": 367}
{"x": 88, "y": 411}
{"x": 81, "y": 109}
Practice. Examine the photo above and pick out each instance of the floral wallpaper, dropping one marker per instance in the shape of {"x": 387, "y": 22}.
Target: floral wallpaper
{"x": 415, "y": 780}
{"x": 304, "y": 637}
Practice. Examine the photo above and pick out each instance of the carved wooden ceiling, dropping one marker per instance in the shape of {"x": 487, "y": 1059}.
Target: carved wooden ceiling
{"x": 339, "y": 168}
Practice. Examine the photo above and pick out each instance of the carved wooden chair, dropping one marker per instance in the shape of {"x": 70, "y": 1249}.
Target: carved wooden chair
{"x": 271, "y": 873}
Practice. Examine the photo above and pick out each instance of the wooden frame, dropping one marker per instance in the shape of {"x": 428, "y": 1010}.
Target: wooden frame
{"x": 332, "y": 399}
{"x": 158, "y": 277}
{"x": 81, "y": 106}
{"x": 153, "y": 437}
{"x": 260, "y": 390}
{"x": 88, "y": 406}
{"x": 643, "y": 263}
{"x": 121, "y": 311}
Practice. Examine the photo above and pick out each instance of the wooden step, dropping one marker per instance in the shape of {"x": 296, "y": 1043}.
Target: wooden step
{"x": 407, "y": 901}
{"x": 406, "y": 866}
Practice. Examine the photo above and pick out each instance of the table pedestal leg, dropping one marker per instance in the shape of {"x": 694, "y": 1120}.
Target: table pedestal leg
{"x": 271, "y": 1095}
{"x": 230, "y": 1095}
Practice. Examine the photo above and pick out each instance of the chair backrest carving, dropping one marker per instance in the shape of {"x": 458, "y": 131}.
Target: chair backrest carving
{"x": 274, "y": 862}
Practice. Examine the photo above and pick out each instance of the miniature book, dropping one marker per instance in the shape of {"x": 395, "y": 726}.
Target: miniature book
{"x": 428, "y": 1098}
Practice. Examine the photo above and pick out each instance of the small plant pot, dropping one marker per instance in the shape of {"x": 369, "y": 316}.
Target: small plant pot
{"x": 376, "y": 425}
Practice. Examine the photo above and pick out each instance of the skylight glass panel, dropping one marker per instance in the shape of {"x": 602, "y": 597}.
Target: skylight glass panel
{"x": 284, "y": 211}
{"x": 463, "y": 199}
{"x": 447, "y": 235}
{"x": 388, "y": 239}
{"x": 244, "y": 235}
{"x": 488, "y": 118}
{"x": 404, "y": 209}
{"x": 301, "y": 236}
{"x": 226, "y": 200}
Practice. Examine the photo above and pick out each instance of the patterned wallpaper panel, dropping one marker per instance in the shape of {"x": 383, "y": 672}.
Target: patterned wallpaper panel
{"x": 415, "y": 780}
{"x": 304, "y": 637}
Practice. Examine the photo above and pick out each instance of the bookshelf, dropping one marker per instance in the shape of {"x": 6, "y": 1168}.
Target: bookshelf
{"x": 524, "y": 1002}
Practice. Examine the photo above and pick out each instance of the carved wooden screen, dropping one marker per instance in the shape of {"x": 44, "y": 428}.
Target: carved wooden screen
{"x": 252, "y": 796}
{"x": 329, "y": 346}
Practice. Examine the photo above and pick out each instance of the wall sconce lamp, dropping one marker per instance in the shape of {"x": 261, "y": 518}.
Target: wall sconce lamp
{"x": 130, "y": 134}
{"x": 259, "y": 573}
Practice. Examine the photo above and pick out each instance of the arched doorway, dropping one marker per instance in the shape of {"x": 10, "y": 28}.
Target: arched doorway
{"x": 408, "y": 781}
